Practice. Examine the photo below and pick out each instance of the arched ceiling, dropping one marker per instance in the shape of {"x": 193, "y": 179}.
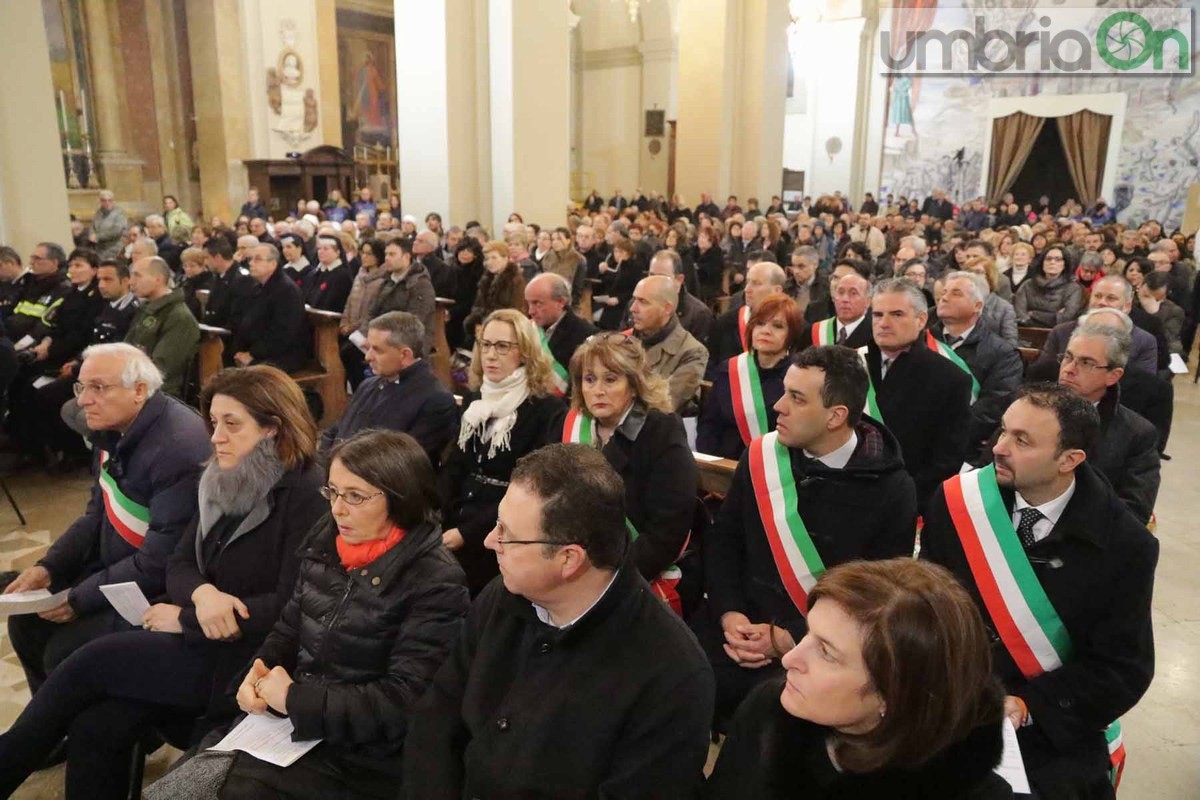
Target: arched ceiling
{"x": 605, "y": 24}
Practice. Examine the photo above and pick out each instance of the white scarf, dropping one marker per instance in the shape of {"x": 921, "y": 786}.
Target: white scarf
{"x": 497, "y": 406}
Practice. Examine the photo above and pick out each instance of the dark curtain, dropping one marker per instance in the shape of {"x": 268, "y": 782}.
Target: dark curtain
{"x": 1012, "y": 140}
{"x": 1085, "y": 141}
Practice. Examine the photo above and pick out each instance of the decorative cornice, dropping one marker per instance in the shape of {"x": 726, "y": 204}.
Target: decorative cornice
{"x": 610, "y": 58}
{"x": 659, "y": 50}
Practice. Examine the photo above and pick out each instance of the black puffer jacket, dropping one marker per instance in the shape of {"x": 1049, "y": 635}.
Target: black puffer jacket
{"x": 361, "y": 646}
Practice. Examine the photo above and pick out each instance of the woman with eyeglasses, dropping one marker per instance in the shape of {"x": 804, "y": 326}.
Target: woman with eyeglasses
{"x": 741, "y": 405}
{"x": 229, "y": 577}
{"x": 889, "y": 695}
{"x": 512, "y": 409}
{"x": 620, "y": 406}
{"x": 1051, "y": 295}
{"x": 375, "y": 610}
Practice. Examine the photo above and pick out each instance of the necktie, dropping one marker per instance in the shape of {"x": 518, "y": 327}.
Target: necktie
{"x": 841, "y": 337}
{"x": 952, "y": 340}
{"x": 1029, "y": 517}
{"x": 884, "y": 366}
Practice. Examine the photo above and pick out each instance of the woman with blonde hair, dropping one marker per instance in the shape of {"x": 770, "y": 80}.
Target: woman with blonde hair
{"x": 1019, "y": 260}
{"x": 512, "y": 409}
{"x": 620, "y": 406}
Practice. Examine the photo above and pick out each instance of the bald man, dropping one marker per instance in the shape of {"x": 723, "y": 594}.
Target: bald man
{"x": 728, "y": 337}
{"x": 671, "y": 351}
{"x": 1150, "y": 351}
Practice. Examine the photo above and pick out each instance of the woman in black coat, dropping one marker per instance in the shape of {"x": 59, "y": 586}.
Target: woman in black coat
{"x": 378, "y": 605}
{"x": 511, "y": 410}
{"x": 890, "y": 695}
{"x": 620, "y": 406}
{"x": 729, "y": 422}
{"x": 230, "y": 575}
{"x": 619, "y": 276}
{"x": 710, "y": 265}
{"x": 67, "y": 327}
{"x": 333, "y": 279}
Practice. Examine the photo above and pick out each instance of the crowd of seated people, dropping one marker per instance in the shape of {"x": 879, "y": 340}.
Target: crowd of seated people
{"x": 512, "y": 577}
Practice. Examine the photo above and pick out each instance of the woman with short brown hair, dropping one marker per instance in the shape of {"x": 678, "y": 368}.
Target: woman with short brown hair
{"x": 889, "y": 695}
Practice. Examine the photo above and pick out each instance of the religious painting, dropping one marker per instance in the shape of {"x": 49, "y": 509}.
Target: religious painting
{"x": 366, "y": 62}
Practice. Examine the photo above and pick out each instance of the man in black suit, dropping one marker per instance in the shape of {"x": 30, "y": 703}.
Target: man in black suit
{"x": 937, "y": 206}
{"x": 425, "y": 251}
{"x": 850, "y": 293}
{"x": 995, "y": 364}
{"x": 923, "y": 398}
{"x": 619, "y": 201}
{"x": 805, "y": 284}
{"x": 548, "y": 297}
{"x": 230, "y": 289}
{"x": 1127, "y": 450}
{"x": 1093, "y": 561}
{"x": 272, "y": 327}
{"x": 707, "y": 206}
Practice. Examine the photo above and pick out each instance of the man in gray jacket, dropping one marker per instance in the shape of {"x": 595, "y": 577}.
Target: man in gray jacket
{"x": 108, "y": 226}
{"x": 671, "y": 351}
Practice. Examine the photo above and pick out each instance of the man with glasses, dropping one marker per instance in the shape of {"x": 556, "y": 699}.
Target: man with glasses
{"x": 571, "y": 679}
{"x": 150, "y": 450}
{"x": 163, "y": 328}
{"x": 46, "y": 287}
{"x": 272, "y": 325}
{"x": 1127, "y": 449}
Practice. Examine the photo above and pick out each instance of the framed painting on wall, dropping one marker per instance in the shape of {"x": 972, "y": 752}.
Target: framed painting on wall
{"x": 367, "y": 79}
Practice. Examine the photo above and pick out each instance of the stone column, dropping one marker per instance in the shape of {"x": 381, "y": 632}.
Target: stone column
{"x": 33, "y": 186}
{"x": 530, "y": 110}
{"x": 121, "y": 169}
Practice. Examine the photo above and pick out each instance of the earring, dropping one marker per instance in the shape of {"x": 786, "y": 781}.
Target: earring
{"x": 882, "y": 713}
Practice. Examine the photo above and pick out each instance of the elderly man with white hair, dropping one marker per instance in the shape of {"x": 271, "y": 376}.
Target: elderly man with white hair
{"x": 994, "y": 365}
{"x": 108, "y": 226}
{"x": 150, "y": 449}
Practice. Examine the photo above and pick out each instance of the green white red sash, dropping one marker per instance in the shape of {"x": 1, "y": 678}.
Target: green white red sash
{"x": 795, "y": 555}
{"x": 1021, "y": 613}
{"x": 871, "y": 407}
{"x": 825, "y": 331}
{"x": 743, "y": 319}
{"x": 130, "y": 519}
{"x": 579, "y": 428}
{"x": 938, "y": 346}
{"x": 560, "y": 378}
{"x": 745, "y": 388}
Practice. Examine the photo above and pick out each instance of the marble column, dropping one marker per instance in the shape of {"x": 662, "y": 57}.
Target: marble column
{"x": 122, "y": 170}
{"x": 33, "y": 186}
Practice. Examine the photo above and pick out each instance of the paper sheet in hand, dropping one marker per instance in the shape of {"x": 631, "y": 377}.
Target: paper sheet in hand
{"x": 34, "y": 602}
{"x": 45, "y": 380}
{"x": 267, "y": 738}
{"x": 1012, "y": 766}
{"x": 1178, "y": 366}
{"x": 128, "y": 600}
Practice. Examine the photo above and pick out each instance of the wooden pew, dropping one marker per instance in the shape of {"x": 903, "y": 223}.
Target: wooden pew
{"x": 327, "y": 375}
{"x": 209, "y": 357}
{"x": 1029, "y": 354}
{"x": 716, "y": 474}
{"x": 441, "y": 346}
{"x": 1032, "y": 337}
{"x": 585, "y": 300}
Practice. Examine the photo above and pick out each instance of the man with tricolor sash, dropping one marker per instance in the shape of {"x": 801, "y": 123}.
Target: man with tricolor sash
{"x": 1064, "y": 575}
{"x": 851, "y": 293}
{"x": 923, "y": 398}
{"x": 994, "y": 365}
{"x": 728, "y": 337}
{"x": 827, "y": 486}
{"x": 150, "y": 450}
{"x": 548, "y": 297}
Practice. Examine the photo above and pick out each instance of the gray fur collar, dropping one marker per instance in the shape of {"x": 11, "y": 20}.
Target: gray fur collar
{"x": 238, "y": 490}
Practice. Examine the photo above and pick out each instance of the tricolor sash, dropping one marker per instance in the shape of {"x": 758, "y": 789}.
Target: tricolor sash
{"x": 130, "y": 519}
{"x": 938, "y": 346}
{"x": 825, "y": 331}
{"x": 795, "y": 555}
{"x": 871, "y": 407}
{"x": 579, "y": 428}
{"x": 745, "y": 389}
{"x": 1021, "y": 613}
{"x": 560, "y": 378}
{"x": 743, "y": 319}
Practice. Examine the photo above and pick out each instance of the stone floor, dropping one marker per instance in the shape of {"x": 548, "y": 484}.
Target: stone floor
{"x": 1162, "y": 734}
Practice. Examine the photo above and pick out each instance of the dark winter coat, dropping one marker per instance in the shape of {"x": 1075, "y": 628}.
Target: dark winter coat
{"x": 157, "y": 464}
{"x": 1046, "y": 302}
{"x": 362, "y": 645}
{"x": 570, "y": 332}
{"x": 771, "y": 755}
{"x": 227, "y": 298}
{"x": 1127, "y": 454}
{"x": 166, "y": 331}
{"x": 472, "y": 485}
{"x": 330, "y": 289}
{"x": 616, "y": 705}
{"x": 273, "y": 328}
{"x": 718, "y": 433}
{"x": 256, "y": 562}
{"x": 505, "y": 289}
{"x": 1097, "y": 569}
{"x": 69, "y": 324}
{"x": 413, "y": 293}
